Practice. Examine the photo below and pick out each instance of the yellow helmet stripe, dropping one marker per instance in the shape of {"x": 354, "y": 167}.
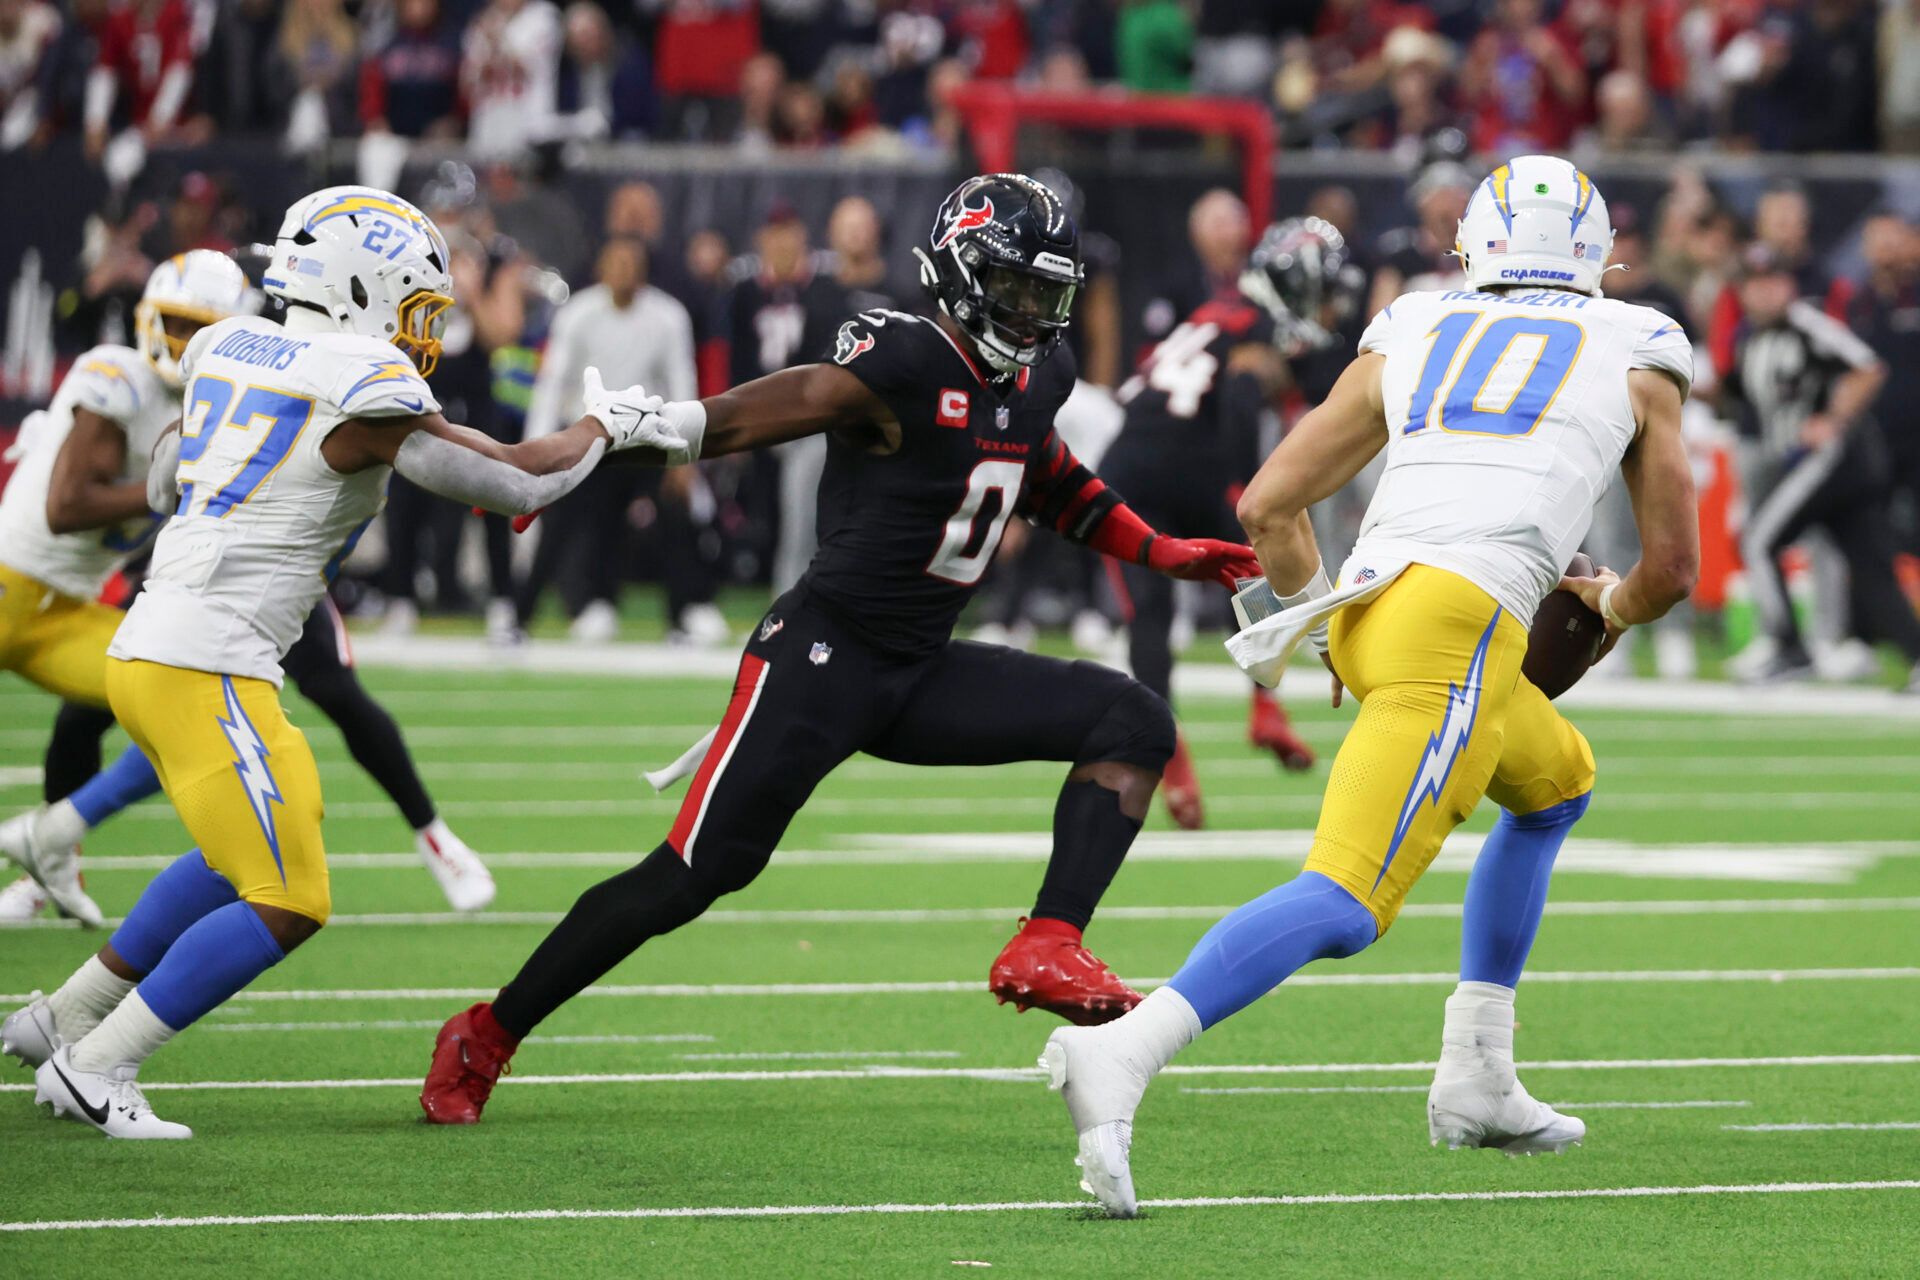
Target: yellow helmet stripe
{"x": 1585, "y": 188}
{"x": 346, "y": 206}
{"x": 1497, "y": 185}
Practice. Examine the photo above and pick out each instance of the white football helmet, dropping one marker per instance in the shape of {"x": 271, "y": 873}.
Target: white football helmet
{"x": 370, "y": 262}
{"x": 199, "y": 285}
{"x": 1535, "y": 220}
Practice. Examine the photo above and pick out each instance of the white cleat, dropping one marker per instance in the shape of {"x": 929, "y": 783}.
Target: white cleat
{"x": 28, "y": 1035}
{"x": 21, "y": 901}
{"x": 598, "y": 623}
{"x": 704, "y": 626}
{"x": 1467, "y": 1109}
{"x": 110, "y": 1101}
{"x": 1102, "y": 1090}
{"x": 56, "y": 869}
{"x": 462, "y": 876}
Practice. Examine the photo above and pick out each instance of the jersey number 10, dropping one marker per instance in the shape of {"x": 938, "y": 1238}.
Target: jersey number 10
{"x": 1509, "y": 376}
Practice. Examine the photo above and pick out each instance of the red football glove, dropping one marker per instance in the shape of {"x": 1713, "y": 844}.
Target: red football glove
{"x": 1199, "y": 559}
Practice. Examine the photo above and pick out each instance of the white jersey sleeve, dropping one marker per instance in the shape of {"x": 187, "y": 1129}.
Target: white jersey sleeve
{"x": 264, "y": 522}
{"x": 119, "y": 385}
{"x": 1663, "y": 346}
{"x": 376, "y": 381}
{"x": 1374, "y": 339}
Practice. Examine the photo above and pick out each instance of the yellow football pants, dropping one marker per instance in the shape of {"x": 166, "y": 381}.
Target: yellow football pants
{"x": 240, "y": 776}
{"x": 56, "y": 641}
{"x": 1445, "y": 717}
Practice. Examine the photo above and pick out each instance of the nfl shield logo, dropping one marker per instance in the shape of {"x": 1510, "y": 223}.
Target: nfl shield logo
{"x": 1001, "y": 416}
{"x": 819, "y": 654}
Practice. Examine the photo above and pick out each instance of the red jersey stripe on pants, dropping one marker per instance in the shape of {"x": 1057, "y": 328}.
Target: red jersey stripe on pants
{"x": 693, "y": 810}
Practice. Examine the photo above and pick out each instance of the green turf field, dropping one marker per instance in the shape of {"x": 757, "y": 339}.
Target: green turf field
{"x": 1731, "y": 947}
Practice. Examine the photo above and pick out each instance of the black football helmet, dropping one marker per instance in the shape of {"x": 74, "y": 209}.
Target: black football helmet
{"x": 1303, "y": 276}
{"x": 1004, "y": 261}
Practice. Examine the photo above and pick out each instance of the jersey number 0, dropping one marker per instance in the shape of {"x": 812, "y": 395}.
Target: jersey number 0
{"x": 1510, "y": 374}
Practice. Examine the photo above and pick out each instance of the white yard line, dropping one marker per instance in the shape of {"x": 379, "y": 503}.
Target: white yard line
{"x": 1880, "y": 1126}
{"x": 1292, "y": 1090}
{"x": 1017, "y": 1075}
{"x": 824, "y": 1055}
{"x": 990, "y": 915}
{"x": 1437, "y": 978}
{"x": 423, "y": 1024}
{"x": 1005, "y": 1206}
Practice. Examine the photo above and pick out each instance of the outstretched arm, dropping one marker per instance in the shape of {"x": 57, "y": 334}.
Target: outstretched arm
{"x": 85, "y": 490}
{"x": 1063, "y": 494}
{"x": 468, "y": 466}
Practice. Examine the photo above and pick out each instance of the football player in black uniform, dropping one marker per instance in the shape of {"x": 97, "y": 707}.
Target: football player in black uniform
{"x": 1192, "y": 439}
{"x": 939, "y": 432}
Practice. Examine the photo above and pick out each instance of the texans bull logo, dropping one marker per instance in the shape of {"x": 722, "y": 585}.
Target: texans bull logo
{"x": 966, "y": 220}
{"x": 850, "y": 344}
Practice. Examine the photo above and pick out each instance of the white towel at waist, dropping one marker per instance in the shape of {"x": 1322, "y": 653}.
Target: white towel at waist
{"x": 1263, "y": 649}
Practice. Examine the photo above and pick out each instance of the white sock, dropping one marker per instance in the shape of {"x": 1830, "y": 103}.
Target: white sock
{"x": 93, "y": 992}
{"x": 130, "y": 1033}
{"x": 1157, "y": 1028}
{"x": 59, "y": 825}
{"x": 1479, "y": 1028}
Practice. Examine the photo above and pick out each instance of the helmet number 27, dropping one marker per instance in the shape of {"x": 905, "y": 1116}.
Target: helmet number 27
{"x": 381, "y": 231}
{"x": 1510, "y": 373}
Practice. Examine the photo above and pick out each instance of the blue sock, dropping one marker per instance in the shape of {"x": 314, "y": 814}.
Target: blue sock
{"x": 1508, "y": 890}
{"x": 178, "y": 896}
{"x": 126, "y": 781}
{"x": 1259, "y": 946}
{"x": 221, "y": 953}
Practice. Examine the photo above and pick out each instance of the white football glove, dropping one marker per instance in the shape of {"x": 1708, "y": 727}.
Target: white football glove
{"x": 631, "y": 416}
{"x": 28, "y": 436}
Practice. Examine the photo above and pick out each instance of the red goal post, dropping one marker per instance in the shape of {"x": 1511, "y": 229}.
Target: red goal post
{"x": 995, "y": 110}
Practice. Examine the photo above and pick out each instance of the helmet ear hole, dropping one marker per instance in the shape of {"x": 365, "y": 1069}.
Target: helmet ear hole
{"x": 358, "y": 292}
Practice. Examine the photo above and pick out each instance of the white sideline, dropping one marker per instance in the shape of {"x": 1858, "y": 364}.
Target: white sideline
{"x": 1004, "y": 1206}
{"x": 1677, "y": 1105}
{"x": 1017, "y": 1075}
{"x": 1447, "y": 978}
{"x": 1849, "y": 1127}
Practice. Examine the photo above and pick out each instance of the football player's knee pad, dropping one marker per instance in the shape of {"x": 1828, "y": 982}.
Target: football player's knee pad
{"x": 1137, "y": 729}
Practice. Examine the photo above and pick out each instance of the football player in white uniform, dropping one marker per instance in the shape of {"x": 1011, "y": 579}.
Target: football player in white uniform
{"x": 83, "y": 465}
{"x": 281, "y": 459}
{"x": 1505, "y": 409}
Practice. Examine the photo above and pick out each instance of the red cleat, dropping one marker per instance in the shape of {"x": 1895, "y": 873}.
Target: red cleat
{"x": 1181, "y": 790}
{"x": 469, "y": 1056}
{"x": 1269, "y": 730}
{"x": 1045, "y": 967}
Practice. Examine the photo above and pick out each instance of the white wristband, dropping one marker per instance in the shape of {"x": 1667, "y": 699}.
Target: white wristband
{"x": 1606, "y": 608}
{"x": 1317, "y": 586}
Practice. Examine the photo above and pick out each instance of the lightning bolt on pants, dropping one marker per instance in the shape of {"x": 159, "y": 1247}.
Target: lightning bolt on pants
{"x": 1445, "y": 716}
{"x": 239, "y": 774}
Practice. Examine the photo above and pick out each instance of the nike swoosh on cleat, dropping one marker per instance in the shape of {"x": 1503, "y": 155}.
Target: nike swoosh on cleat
{"x": 96, "y": 1114}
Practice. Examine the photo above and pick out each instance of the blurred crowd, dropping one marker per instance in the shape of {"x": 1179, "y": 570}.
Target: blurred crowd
{"x": 1596, "y": 76}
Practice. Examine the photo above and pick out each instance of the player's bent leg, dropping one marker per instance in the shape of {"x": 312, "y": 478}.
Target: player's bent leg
{"x": 73, "y": 749}
{"x": 47, "y": 840}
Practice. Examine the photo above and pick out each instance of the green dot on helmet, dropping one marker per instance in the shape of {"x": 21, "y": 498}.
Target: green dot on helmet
{"x": 1539, "y": 188}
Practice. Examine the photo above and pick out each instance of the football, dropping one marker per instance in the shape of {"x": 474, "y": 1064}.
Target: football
{"x": 1565, "y": 638}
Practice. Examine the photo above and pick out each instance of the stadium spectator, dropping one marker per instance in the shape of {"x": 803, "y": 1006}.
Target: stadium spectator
{"x": 315, "y": 60}
{"x": 800, "y": 117}
{"x": 28, "y": 30}
{"x": 633, "y": 333}
{"x": 1817, "y": 87}
{"x": 851, "y": 111}
{"x": 1418, "y": 68}
{"x": 761, "y": 80}
{"x": 1235, "y": 42}
{"x": 510, "y": 71}
{"x": 911, "y": 43}
{"x": 802, "y": 32}
{"x": 143, "y": 73}
{"x": 194, "y": 220}
{"x": 856, "y": 282}
{"x": 1885, "y": 311}
{"x": 1899, "y": 66}
{"x": 1625, "y": 120}
{"x": 410, "y": 86}
{"x": 701, "y": 48}
{"x": 991, "y": 36}
{"x": 1155, "y": 46}
{"x": 1420, "y": 256}
{"x": 1220, "y": 234}
{"x": 1522, "y": 83}
{"x": 606, "y": 83}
